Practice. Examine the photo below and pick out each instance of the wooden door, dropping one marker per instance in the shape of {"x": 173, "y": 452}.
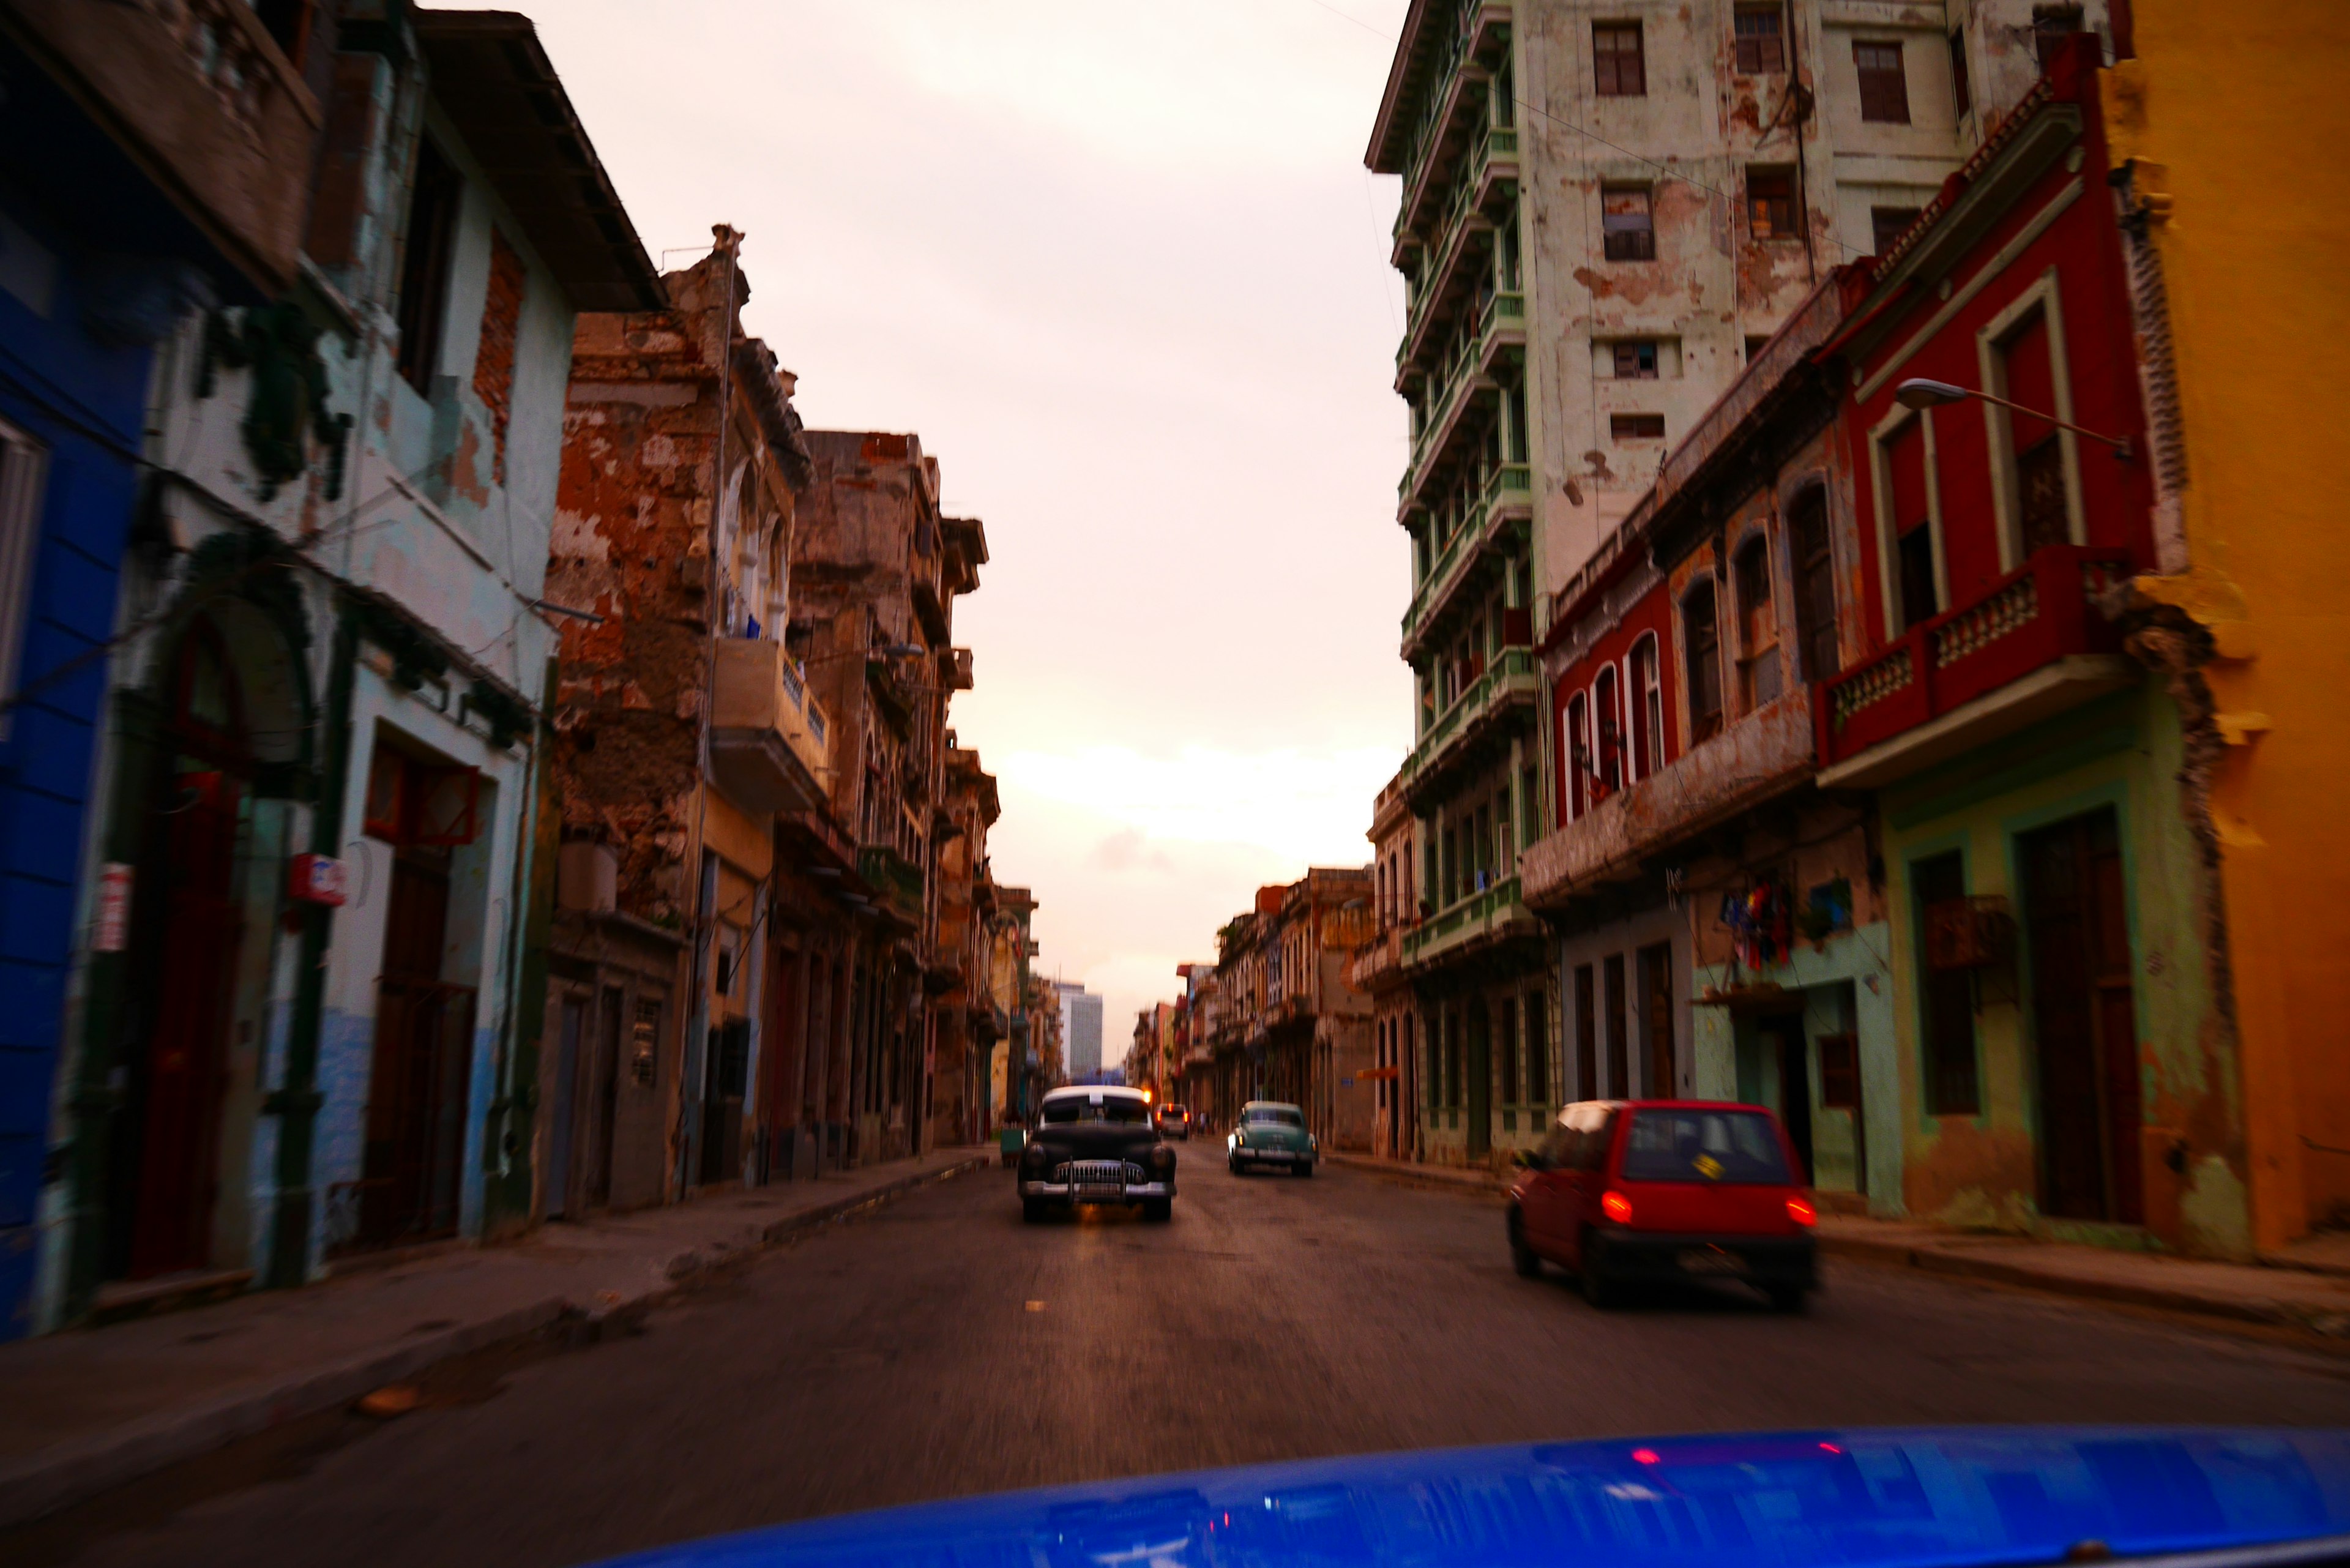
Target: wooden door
{"x": 186, "y": 1073}
{"x": 2084, "y": 1026}
{"x": 423, "y": 1053}
{"x": 1656, "y": 988}
{"x": 562, "y": 1126}
{"x": 1479, "y": 1018}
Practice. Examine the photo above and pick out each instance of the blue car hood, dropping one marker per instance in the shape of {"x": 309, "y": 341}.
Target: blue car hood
{"x": 1987, "y": 1495}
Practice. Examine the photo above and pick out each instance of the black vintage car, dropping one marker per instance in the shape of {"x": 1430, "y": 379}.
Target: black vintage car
{"x": 1097, "y": 1144}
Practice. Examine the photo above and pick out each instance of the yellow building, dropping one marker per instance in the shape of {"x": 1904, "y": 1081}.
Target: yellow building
{"x": 2240, "y": 210}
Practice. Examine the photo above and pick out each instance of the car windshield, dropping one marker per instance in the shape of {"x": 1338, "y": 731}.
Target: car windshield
{"x": 1121, "y": 1111}
{"x": 1269, "y": 1117}
{"x": 1725, "y": 1146}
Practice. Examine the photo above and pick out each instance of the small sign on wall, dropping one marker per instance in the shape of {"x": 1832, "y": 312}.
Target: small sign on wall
{"x": 314, "y": 879}
{"x": 113, "y": 932}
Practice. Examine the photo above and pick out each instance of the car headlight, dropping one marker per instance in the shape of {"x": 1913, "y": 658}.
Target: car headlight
{"x": 1240, "y": 1140}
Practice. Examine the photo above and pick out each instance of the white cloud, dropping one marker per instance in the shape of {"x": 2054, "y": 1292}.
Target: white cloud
{"x": 1305, "y": 807}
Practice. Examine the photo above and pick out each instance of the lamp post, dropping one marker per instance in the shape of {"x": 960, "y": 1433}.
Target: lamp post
{"x": 1920, "y": 393}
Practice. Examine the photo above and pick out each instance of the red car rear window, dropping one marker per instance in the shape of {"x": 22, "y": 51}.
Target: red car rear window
{"x": 1720, "y": 1147}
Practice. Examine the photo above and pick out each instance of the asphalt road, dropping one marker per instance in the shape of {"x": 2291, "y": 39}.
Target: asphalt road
{"x": 940, "y": 1346}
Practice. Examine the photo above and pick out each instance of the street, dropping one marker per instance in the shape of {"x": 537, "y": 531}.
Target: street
{"x": 938, "y": 1347}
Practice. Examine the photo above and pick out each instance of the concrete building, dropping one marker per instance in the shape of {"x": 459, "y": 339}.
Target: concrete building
{"x": 684, "y": 733}
{"x": 1377, "y": 973}
{"x": 969, "y": 1019}
{"x": 1605, "y": 212}
{"x": 1081, "y": 1026}
{"x": 2229, "y": 241}
{"x": 135, "y": 193}
{"x": 875, "y": 568}
{"x": 1284, "y": 1019}
{"x": 316, "y": 1033}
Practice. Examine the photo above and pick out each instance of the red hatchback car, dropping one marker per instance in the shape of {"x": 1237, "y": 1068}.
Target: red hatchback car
{"x": 1632, "y": 1192}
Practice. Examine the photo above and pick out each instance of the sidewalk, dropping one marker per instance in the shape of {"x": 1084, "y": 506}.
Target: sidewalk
{"x": 2306, "y": 1288}
{"x": 89, "y": 1409}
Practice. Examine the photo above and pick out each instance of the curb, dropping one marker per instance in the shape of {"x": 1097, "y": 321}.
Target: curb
{"x": 1427, "y": 1178}
{"x": 1933, "y": 1260}
{"x": 76, "y": 1471}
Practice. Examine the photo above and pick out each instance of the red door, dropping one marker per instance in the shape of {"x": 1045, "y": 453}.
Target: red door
{"x": 186, "y": 1068}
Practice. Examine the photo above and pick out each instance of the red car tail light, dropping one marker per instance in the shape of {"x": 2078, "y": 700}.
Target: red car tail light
{"x": 1801, "y": 1211}
{"x": 1616, "y": 1207}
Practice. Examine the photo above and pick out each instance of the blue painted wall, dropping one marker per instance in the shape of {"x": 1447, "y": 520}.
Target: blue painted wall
{"x": 83, "y": 400}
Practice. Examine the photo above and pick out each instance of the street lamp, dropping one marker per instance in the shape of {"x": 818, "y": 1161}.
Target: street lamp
{"x": 1920, "y": 393}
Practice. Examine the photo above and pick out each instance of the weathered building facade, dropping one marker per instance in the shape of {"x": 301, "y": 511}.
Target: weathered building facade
{"x": 312, "y": 1032}
{"x": 2243, "y": 612}
{"x": 1584, "y": 279}
{"x": 139, "y": 187}
{"x": 970, "y": 1022}
{"x": 684, "y": 733}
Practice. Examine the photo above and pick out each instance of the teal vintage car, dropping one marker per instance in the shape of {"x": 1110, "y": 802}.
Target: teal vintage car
{"x": 1272, "y": 1135}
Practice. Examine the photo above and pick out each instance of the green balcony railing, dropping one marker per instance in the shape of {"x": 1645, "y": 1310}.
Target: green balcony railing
{"x": 1455, "y": 377}
{"x": 1499, "y": 144}
{"x": 1511, "y": 676}
{"x": 898, "y": 879}
{"x": 1466, "y": 919}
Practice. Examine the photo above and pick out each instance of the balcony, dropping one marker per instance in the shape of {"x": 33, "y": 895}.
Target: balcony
{"x": 1763, "y": 754}
{"x": 1460, "y": 52}
{"x": 769, "y": 739}
{"x": 1471, "y": 374}
{"x": 1473, "y": 212}
{"x": 1378, "y": 964}
{"x": 896, "y": 881}
{"x": 1504, "y": 696}
{"x": 1498, "y": 524}
{"x": 2030, "y": 647}
{"x": 1472, "y": 924}
{"x": 204, "y": 100}
{"x": 954, "y": 668}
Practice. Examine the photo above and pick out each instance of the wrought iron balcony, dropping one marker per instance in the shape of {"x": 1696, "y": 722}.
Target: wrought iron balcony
{"x": 2030, "y": 645}
{"x": 769, "y": 738}
{"x": 896, "y": 881}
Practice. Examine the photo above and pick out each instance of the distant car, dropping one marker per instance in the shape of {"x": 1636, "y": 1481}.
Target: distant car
{"x": 1626, "y": 1191}
{"x": 1272, "y": 1135}
{"x": 1174, "y": 1121}
{"x": 1097, "y": 1144}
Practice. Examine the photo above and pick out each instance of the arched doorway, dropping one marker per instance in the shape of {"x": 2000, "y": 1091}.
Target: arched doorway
{"x": 188, "y": 924}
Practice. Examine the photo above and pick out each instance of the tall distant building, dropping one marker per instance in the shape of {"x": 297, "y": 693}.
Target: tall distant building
{"x": 1081, "y": 1029}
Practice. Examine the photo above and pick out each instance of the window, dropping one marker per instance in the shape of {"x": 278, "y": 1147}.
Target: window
{"x": 2051, "y": 25}
{"x": 1607, "y": 695}
{"x": 23, "y": 462}
{"x": 1648, "y": 709}
{"x": 1619, "y": 1039}
{"x": 1537, "y": 1052}
{"x": 1948, "y": 998}
{"x": 415, "y": 802}
{"x": 1618, "y": 67}
{"x": 2043, "y": 515}
{"x": 1758, "y": 628}
{"x": 1761, "y": 49}
{"x": 1771, "y": 203}
{"x": 1586, "y": 1039}
{"x": 1913, "y": 531}
{"x": 1635, "y": 427}
{"x": 1886, "y": 224}
{"x": 1637, "y": 360}
{"x": 1734, "y": 1147}
{"x": 1754, "y": 347}
{"x": 494, "y": 359}
{"x": 1529, "y": 804}
{"x": 1579, "y": 754}
{"x": 1815, "y": 613}
{"x": 1701, "y": 641}
{"x": 1962, "y": 97}
{"x": 1509, "y": 1051}
{"x": 1884, "y": 89}
{"x": 424, "y": 265}
{"x": 1628, "y": 225}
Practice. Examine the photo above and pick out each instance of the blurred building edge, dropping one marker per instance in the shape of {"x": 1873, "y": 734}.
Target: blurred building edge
{"x": 286, "y": 309}
{"x": 1081, "y": 1029}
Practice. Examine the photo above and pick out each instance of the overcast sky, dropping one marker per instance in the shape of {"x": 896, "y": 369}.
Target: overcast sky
{"x": 1119, "y": 265}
